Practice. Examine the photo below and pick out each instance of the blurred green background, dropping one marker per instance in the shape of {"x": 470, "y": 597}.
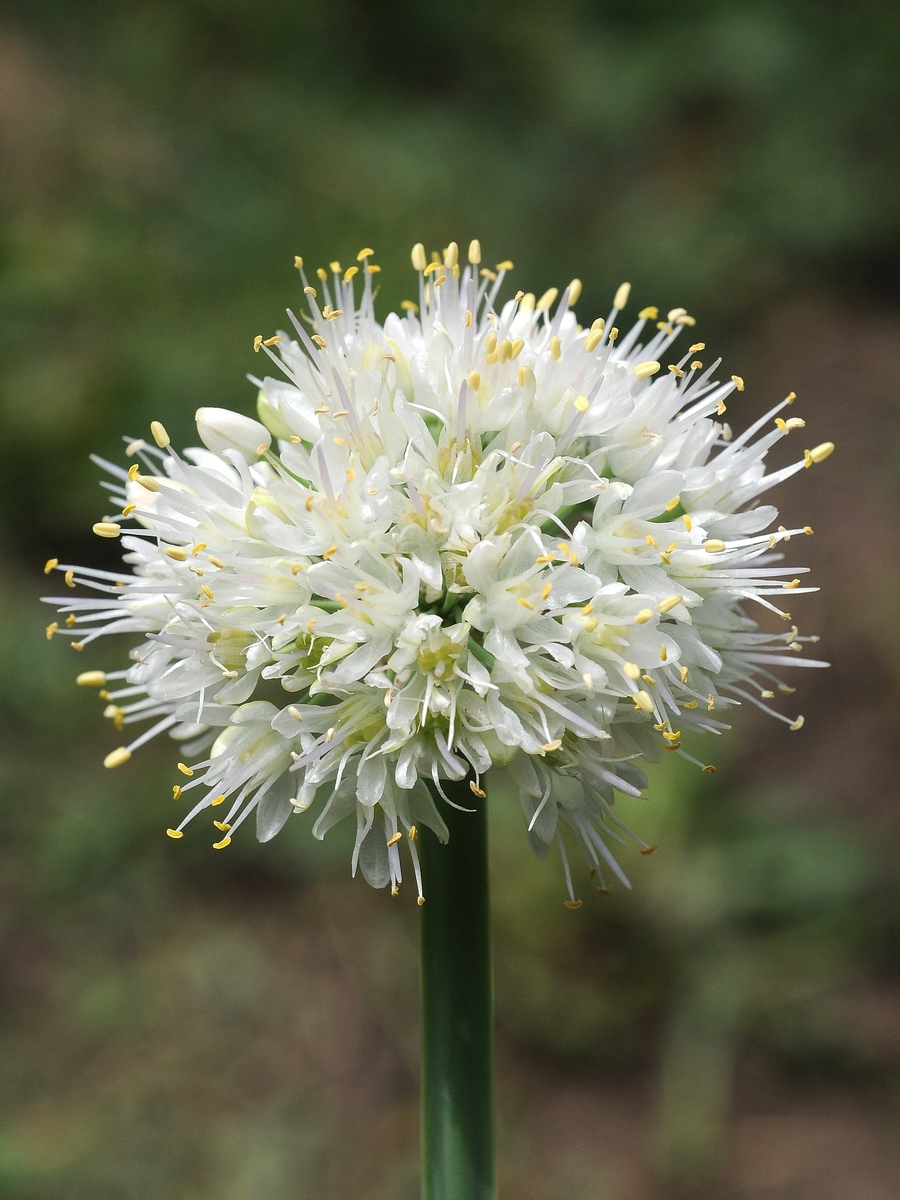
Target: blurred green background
{"x": 178, "y": 1025}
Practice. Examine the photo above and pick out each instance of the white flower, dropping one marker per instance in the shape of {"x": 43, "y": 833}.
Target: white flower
{"x": 489, "y": 538}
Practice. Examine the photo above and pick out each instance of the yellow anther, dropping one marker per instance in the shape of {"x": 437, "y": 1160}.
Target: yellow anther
{"x": 148, "y": 482}
{"x": 413, "y": 833}
{"x": 738, "y": 382}
{"x": 599, "y": 323}
{"x": 794, "y": 583}
{"x": 160, "y": 436}
{"x": 490, "y": 343}
{"x": 70, "y": 577}
{"x": 226, "y": 841}
{"x": 696, "y": 365}
{"x": 671, "y": 735}
{"x": 334, "y": 314}
{"x": 613, "y": 333}
{"x": 506, "y": 265}
{"x": 819, "y": 453}
{"x": 50, "y": 564}
{"x": 257, "y": 342}
{"x": 451, "y": 256}
{"x": 517, "y": 347}
{"x": 216, "y": 801}
{"x": 675, "y": 370}
{"x": 77, "y": 645}
{"x": 550, "y": 747}
{"x": 392, "y": 841}
{"x": 696, "y": 348}
{"x": 298, "y": 262}
{"x": 590, "y": 624}
{"x": 272, "y": 341}
{"x": 582, "y": 404}
{"x": 604, "y": 891}
{"x": 432, "y": 267}
{"x": 216, "y": 562}
{"x": 669, "y": 603}
{"x": 710, "y": 702}
{"x": 573, "y": 904}
{"x": 808, "y": 530}
{"x": 688, "y": 523}
{"x": 331, "y": 551}
{"x": 420, "y": 900}
{"x": 713, "y": 545}
{"x": 791, "y": 397}
{"x": 128, "y": 510}
{"x": 176, "y": 552}
{"x": 684, "y": 674}
{"x": 721, "y": 408}
{"x": 504, "y": 350}
{"x": 621, "y": 297}
{"x": 185, "y": 769}
{"x": 476, "y": 790}
{"x": 675, "y": 313}
{"x": 116, "y": 758}
{"x": 642, "y": 617}
{"x": 526, "y": 603}
{"x": 175, "y": 833}
{"x": 207, "y": 591}
{"x": 574, "y": 291}
{"x": 322, "y": 273}
{"x": 651, "y": 541}
{"x": 555, "y": 348}
{"x": 319, "y": 341}
{"x": 650, "y": 313}
{"x": 547, "y": 589}
{"x": 91, "y": 679}
{"x": 107, "y": 529}
{"x": 474, "y": 252}
{"x": 690, "y": 704}
{"x": 798, "y": 724}
{"x": 643, "y": 701}
{"x": 587, "y": 610}
{"x": 474, "y": 380}
{"x": 685, "y": 320}
{"x": 547, "y": 300}
{"x": 645, "y": 369}
{"x": 649, "y": 679}
{"x": 632, "y": 670}
{"x": 663, "y": 653}
{"x": 70, "y": 620}
{"x": 545, "y": 558}
{"x": 593, "y": 340}
{"x": 222, "y": 826}
{"x": 646, "y": 850}
{"x": 366, "y": 252}
{"x": 350, "y": 273}
{"x": 176, "y": 792}
{"x": 335, "y": 267}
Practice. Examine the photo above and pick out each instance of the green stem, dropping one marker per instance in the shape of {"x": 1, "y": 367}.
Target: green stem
{"x": 457, "y": 1007}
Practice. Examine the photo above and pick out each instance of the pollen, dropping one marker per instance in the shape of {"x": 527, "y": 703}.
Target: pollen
{"x": 91, "y": 679}
{"x": 107, "y": 529}
{"x": 116, "y": 758}
{"x": 645, "y": 369}
{"x": 621, "y": 297}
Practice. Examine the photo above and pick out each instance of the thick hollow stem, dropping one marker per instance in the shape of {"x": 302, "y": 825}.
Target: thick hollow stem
{"x": 457, "y": 1008}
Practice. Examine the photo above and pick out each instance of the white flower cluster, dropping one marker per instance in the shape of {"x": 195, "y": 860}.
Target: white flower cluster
{"x": 485, "y": 536}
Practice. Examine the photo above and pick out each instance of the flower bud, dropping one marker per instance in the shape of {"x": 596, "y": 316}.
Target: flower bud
{"x": 221, "y": 430}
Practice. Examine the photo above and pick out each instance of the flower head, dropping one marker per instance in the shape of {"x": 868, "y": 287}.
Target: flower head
{"x": 485, "y": 537}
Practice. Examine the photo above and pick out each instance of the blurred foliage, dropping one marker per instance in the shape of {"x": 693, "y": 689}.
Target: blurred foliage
{"x": 178, "y": 1024}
